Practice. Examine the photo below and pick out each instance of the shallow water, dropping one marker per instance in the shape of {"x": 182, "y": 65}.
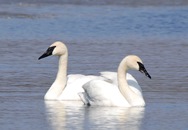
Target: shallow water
{"x": 98, "y": 37}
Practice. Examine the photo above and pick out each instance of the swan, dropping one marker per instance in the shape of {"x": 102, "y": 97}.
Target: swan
{"x": 127, "y": 93}
{"x": 65, "y": 87}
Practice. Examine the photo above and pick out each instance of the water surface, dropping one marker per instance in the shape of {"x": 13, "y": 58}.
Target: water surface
{"x": 98, "y": 37}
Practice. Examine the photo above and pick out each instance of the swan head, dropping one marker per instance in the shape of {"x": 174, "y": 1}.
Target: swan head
{"x": 135, "y": 63}
{"x": 57, "y": 49}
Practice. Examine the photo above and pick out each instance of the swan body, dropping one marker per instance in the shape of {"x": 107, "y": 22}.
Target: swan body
{"x": 111, "y": 77}
{"x": 72, "y": 90}
{"x": 123, "y": 90}
{"x": 64, "y": 87}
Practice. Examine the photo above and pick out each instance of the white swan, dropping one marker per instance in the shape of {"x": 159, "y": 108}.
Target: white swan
{"x": 64, "y": 87}
{"x": 127, "y": 94}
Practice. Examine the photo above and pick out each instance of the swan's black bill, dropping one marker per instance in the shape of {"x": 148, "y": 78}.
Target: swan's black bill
{"x": 47, "y": 53}
{"x": 142, "y": 69}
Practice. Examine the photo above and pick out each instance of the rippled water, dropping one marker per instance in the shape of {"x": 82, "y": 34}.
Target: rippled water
{"x": 98, "y": 37}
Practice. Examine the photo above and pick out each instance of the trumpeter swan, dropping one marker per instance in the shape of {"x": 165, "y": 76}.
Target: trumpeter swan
{"x": 64, "y": 87}
{"x": 127, "y": 94}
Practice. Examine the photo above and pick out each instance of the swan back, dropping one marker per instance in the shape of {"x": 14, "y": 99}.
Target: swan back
{"x": 112, "y": 78}
{"x": 74, "y": 86}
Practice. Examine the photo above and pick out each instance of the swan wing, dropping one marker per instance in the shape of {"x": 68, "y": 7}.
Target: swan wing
{"x": 102, "y": 93}
{"x": 74, "y": 86}
{"x": 110, "y": 76}
{"x": 132, "y": 82}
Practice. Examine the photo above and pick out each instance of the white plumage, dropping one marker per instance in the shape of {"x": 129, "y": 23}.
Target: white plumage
{"x": 120, "y": 90}
{"x": 64, "y": 87}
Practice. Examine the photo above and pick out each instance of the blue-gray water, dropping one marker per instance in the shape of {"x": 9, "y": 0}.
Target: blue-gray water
{"x": 98, "y": 36}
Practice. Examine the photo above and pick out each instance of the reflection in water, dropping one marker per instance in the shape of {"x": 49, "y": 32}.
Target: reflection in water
{"x": 55, "y": 114}
{"x": 66, "y": 115}
{"x": 114, "y": 117}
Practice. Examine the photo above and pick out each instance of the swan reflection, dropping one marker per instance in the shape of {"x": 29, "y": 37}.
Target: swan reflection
{"x": 63, "y": 115}
{"x": 114, "y": 117}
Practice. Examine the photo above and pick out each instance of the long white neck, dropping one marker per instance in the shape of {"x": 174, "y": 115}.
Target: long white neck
{"x": 61, "y": 79}
{"x": 133, "y": 98}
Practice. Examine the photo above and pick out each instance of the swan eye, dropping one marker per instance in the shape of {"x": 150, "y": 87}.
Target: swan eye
{"x": 50, "y": 49}
{"x": 47, "y": 53}
{"x": 142, "y": 69}
{"x": 141, "y": 66}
